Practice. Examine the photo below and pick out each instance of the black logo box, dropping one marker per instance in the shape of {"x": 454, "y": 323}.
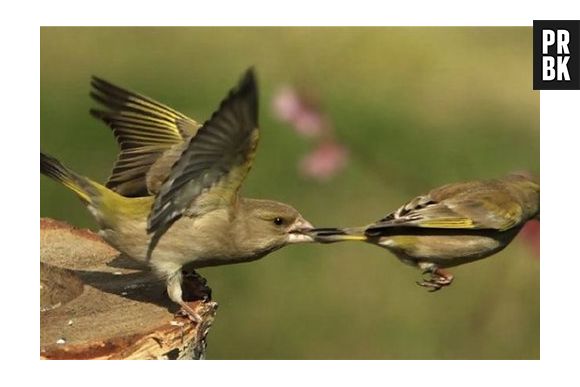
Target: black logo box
{"x": 573, "y": 28}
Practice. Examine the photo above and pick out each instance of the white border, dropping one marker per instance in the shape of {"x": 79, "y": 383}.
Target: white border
{"x": 560, "y": 122}
{"x": 301, "y": 13}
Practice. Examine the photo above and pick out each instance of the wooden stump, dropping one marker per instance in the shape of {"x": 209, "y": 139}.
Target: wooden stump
{"x": 97, "y": 304}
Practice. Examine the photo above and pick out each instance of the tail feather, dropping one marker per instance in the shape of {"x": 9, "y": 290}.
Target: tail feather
{"x": 331, "y": 235}
{"x": 107, "y": 206}
{"x": 51, "y": 167}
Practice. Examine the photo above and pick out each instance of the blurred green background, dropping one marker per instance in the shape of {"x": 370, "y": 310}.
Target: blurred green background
{"x": 423, "y": 106}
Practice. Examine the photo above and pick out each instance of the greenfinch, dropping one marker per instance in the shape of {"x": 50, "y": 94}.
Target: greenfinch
{"x": 173, "y": 197}
{"x": 449, "y": 226}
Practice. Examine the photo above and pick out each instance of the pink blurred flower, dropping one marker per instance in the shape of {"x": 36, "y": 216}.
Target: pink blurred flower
{"x": 294, "y": 108}
{"x": 304, "y": 114}
{"x": 530, "y": 235}
{"x": 325, "y": 161}
{"x": 309, "y": 123}
{"x": 286, "y": 104}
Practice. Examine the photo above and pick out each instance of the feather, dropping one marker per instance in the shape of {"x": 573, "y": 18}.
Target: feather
{"x": 211, "y": 169}
{"x": 145, "y": 130}
{"x": 491, "y": 204}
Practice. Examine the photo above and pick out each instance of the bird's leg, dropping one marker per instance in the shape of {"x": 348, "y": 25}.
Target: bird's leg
{"x": 175, "y": 293}
{"x": 437, "y": 278}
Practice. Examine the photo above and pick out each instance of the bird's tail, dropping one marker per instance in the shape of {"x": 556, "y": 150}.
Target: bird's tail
{"x": 87, "y": 190}
{"x": 331, "y": 235}
{"x": 107, "y": 206}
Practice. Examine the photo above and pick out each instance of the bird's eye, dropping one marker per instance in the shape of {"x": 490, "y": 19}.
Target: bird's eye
{"x": 278, "y": 221}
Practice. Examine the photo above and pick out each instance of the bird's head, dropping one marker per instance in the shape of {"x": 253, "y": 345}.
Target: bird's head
{"x": 272, "y": 224}
{"x": 527, "y": 189}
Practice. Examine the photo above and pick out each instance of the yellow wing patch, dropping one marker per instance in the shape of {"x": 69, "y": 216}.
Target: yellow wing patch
{"x": 447, "y": 223}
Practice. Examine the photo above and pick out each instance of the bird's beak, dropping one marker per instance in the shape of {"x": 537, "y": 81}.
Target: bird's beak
{"x": 298, "y": 232}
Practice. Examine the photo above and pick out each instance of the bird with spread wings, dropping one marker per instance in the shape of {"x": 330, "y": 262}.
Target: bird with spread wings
{"x": 173, "y": 197}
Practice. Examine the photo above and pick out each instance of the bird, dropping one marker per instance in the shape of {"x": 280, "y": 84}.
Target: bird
{"x": 172, "y": 200}
{"x": 449, "y": 226}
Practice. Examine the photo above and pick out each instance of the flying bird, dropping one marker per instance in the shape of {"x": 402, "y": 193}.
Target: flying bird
{"x": 449, "y": 226}
{"x": 173, "y": 196}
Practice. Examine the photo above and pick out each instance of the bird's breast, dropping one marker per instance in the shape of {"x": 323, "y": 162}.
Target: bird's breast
{"x": 187, "y": 240}
{"x": 446, "y": 250}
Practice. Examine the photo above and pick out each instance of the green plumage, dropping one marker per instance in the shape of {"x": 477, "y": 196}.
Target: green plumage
{"x": 172, "y": 199}
{"x": 151, "y": 137}
{"x": 450, "y": 225}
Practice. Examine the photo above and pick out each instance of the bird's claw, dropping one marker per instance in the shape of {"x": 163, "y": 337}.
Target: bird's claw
{"x": 433, "y": 286}
{"x": 187, "y": 311}
{"x": 436, "y": 280}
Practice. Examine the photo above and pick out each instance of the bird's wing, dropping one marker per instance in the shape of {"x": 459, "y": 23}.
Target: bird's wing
{"x": 145, "y": 129}
{"x": 211, "y": 169}
{"x": 472, "y": 205}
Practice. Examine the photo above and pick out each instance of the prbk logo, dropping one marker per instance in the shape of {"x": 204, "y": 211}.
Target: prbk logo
{"x": 556, "y": 54}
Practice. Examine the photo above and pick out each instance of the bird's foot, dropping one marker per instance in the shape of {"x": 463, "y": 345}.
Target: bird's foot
{"x": 436, "y": 280}
{"x": 189, "y": 312}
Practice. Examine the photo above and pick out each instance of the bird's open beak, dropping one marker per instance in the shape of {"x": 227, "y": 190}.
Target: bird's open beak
{"x": 298, "y": 232}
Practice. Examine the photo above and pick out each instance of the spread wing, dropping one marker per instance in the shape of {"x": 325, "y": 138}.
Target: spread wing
{"x": 217, "y": 159}
{"x": 145, "y": 130}
{"x": 472, "y": 205}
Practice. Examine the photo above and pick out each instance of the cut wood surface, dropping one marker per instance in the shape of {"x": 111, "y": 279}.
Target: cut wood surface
{"x": 98, "y": 304}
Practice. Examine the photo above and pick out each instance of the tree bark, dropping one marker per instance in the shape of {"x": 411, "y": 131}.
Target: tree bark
{"x": 96, "y": 303}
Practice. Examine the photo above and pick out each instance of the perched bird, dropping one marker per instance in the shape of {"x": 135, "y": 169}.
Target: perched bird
{"x": 172, "y": 199}
{"x": 449, "y": 226}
